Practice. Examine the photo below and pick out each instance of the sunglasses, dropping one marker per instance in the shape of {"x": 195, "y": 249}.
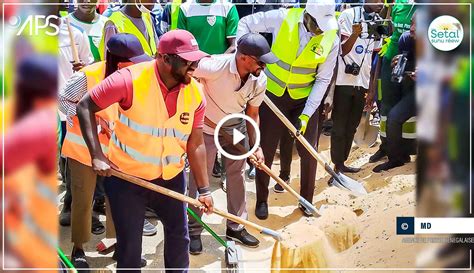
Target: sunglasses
{"x": 259, "y": 63}
{"x": 181, "y": 60}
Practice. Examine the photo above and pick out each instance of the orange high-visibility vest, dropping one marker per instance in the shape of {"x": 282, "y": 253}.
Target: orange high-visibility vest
{"x": 74, "y": 145}
{"x": 31, "y": 234}
{"x": 146, "y": 142}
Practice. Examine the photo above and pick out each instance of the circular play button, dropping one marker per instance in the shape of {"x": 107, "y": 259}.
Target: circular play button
{"x": 237, "y": 138}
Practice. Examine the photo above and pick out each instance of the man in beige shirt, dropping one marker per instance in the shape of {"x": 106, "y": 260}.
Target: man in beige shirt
{"x": 233, "y": 83}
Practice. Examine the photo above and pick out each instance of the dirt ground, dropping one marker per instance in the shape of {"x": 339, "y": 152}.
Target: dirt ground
{"x": 374, "y": 243}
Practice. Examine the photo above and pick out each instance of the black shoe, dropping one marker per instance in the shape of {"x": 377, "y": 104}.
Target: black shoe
{"x": 377, "y": 156}
{"x": 97, "y": 228}
{"x": 78, "y": 259}
{"x": 406, "y": 159}
{"x": 261, "y": 210}
{"x": 217, "y": 169}
{"x": 65, "y": 217}
{"x": 99, "y": 206}
{"x": 278, "y": 188}
{"x": 142, "y": 259}
{"x": 243, "y": 237}
{"x": 387, "y": 166}
{"x": 345, "y": 169}
{"x": 305, "y": 211}
{"x": 195, "y": 245}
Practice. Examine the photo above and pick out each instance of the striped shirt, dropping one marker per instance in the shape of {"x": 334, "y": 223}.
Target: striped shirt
{"x": 71, "y": 94}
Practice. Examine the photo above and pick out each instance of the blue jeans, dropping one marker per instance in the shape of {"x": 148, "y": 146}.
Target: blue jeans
{"x": 128, "y": 202}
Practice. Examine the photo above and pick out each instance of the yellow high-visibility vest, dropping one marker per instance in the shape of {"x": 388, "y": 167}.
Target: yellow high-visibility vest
{"x": 125, "y": 25}
{"x": 292, "y": 72}
{"x": 146, "y": 141}
{"x": 74, "y": 146}
{"x": 174, "y": 13}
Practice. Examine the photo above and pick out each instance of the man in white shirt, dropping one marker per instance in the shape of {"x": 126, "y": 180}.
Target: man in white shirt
{"x": 91, "y": 22}
{"x": 353, "y": 79}
{"x": 233, "y": 83}
{"x": 306, "y": 42}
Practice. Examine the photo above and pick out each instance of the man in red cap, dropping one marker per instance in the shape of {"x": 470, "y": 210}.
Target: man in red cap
{"x": 161, "y": 115}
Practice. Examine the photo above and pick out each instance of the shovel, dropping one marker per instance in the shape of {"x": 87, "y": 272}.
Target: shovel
{"x": 194, "y": 202}
{"x": 366, "y": 134}
{"x": 339, "y": 180}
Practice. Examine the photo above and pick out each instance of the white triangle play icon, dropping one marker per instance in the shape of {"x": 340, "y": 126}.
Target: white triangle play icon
{"x": 237, "y": 136}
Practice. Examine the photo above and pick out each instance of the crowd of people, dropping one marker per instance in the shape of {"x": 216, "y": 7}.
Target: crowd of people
{"x": 142, "y": 86}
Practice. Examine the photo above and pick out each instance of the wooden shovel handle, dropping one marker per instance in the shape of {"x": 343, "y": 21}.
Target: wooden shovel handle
{"x": 75, "y": 55}
{"x": 181, "y": 197}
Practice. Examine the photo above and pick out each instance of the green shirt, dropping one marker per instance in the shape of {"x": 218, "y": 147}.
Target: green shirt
{"x": 211, "y": 24}
{"x": 401, "y": 21}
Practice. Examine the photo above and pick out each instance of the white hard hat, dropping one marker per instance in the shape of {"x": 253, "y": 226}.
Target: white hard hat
{"x": 323, "y": 11}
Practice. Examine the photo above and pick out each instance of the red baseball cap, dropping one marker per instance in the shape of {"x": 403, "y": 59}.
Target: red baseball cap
{"x": 181, "y": 43}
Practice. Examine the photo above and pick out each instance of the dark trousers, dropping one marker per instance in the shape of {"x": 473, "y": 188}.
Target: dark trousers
{"x": 401, "y": 112}
{"x": 286, "y": 154}
{"x": 128, "y": 202}
{"x": 392, "y": 95}
{"x": 271, "y": 128}
{"x": 349, "y": 103}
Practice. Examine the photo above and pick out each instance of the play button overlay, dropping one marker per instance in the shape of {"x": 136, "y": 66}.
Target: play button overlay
{"x": 237, "y": 136}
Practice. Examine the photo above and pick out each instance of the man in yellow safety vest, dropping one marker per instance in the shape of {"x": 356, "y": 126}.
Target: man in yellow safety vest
{"x": 306, "y": 44}
{"x": 160, "y": 119}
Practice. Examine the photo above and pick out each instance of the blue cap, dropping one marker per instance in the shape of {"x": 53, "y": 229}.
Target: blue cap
{"x": 39, "y": 72}
{"x": 127, "y": 46}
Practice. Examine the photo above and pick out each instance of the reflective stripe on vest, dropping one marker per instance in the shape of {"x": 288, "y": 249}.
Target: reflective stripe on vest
{"x": 153, "y": 131}
{"x": 146, "y": 142}
{"x": 408, "y": 128}
{"x": 125, "y": 25}
{"x": 79, "y": 140}
{"x": 144, "y": 158}
{"x": 292, "y": 72}
{"x": 175, "y": 13}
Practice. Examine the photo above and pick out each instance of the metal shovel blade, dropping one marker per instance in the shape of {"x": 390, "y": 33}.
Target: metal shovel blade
{"x": 345, "y": 182}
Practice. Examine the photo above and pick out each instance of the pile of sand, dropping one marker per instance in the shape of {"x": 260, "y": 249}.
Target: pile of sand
{"x": 313, "y": 243}
{"x": 303, "y": 246}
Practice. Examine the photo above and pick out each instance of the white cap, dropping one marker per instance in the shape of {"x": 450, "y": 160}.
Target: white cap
{"x": 323, "y": 11}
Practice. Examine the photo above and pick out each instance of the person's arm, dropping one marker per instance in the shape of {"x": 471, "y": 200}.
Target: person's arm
{"x": 268, "y": 21}
{"x": 374, "y": 76}
{"x": 252, "y": 112}
{"x": 69, "y": 96}
{"x": 109, "y": 30}
{"x": 114, "y": 89}
{"x": 349, "y": 31}
{"x": 208, "y": 69}
{"x": 196, "y": 151}
{"x": 348, "y": 42}
{"x": 232, "y": 22}
{"x": 323, "y": 79}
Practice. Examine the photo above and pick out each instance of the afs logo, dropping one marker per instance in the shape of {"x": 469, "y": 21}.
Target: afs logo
{"x": 184, "y": 118}
{"x": 34, "y": 23}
